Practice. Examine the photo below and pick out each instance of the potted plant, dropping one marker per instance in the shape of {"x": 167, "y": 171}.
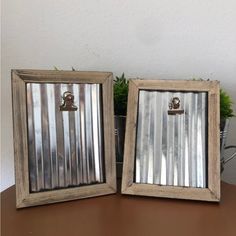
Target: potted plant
{"x": 121, "y": 85}
{"x": 226, "y": 112}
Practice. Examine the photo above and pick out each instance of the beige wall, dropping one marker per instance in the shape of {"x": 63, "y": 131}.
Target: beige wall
{"x": 168, "y": 39}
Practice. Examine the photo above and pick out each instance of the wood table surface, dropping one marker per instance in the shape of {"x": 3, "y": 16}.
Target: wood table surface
{"x": 118, "y": 214}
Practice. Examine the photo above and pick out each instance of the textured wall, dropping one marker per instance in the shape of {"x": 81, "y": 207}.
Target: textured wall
{"x": 153, "y": 39}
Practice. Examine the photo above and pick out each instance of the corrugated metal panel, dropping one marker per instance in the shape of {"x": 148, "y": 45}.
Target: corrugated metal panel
{"x": 65, "y": 147}
{"x": 171, "y": 149}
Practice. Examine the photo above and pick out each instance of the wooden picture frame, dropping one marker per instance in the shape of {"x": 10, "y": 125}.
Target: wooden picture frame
{"x": 26, "y": 192}
{"x": 130, "y": 184}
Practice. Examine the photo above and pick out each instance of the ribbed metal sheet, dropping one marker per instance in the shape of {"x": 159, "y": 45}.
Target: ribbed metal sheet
{"x": 171, "y": 149}
{"x": 65, "y": 147}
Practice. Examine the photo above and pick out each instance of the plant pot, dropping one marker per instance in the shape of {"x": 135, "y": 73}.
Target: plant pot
{"x": 224, "y": 127}
{"x": 120, "y": 122}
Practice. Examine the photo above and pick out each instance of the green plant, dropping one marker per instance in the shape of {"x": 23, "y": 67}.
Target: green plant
{"x": 121, "y": 85}
{"x": 226, "y": 110}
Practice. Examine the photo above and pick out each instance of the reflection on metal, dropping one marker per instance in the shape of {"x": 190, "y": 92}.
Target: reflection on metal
{"x": 224, "y": 127}
{"x": 171, "y": 150}
{"x": 174, "y": 106}
{"x": 68, "y": 102}
{"x": 65, "y": 148}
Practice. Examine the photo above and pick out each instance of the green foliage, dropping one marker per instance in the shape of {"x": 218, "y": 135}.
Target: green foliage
{"x": 226, "y": 103}
{"x": 121, "y": 85}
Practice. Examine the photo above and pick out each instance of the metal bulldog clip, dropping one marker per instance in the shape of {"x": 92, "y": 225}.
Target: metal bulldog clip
{"x": 174, "y": 107}
{"x": 68, "y": 102}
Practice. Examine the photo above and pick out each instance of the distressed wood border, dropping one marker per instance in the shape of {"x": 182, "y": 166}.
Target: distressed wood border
{"x": 19, "y": 79}
{"x": 212, "y": 193}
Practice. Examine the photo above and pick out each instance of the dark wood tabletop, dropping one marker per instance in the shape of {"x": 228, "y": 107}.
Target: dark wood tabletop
{"x": 118, "y": 214}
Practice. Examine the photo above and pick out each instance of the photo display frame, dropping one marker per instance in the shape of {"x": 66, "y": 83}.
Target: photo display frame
{"x": 172, "y": 139}
{"x": 63, "y": 135}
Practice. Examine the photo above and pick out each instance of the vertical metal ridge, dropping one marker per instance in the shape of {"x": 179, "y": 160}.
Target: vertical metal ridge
{"x": 67, "y": 151}
{"x": 83, "y": 134}
{"x": 151, "y": 139}
{"x": 52, "y": 135}
{"x": 38, "y": 135}
{"x": 158, "y": 123}
{"x": 148, "y": 166}
{"x": 60, "y": 136}
{"x": 45, "y": 137}
{"x": 142, "y": 160}
{"x": 138, "y": 139}
{"x": 193, "y": 140}
{"x": 78, "y": 151}
{"x": 95, "y": 132}
{"x": 72, "y": 143}
{"x": 196, "y": 131}
{"x": 100, "y": 134}
{"x": 33, "y": 173}
{"x": 90, "y": 137}
{"x": 204, "y": 139}
{"x": 67, "y": 147}
{"x": 164, "y": 139}
{"x": 93, "y": 167}
{"x": 199, "y": 141}
{"x": 186, "y": 140}
{"x": 181, "y": 143}
{"x": 190, "y": 148}
{"x": 170, "y": 145}
{"x": 201, "y": 155}
{"x": 145, "y": 139}
{"x": 176, "y": 146}
{"x": 88, "y": 132}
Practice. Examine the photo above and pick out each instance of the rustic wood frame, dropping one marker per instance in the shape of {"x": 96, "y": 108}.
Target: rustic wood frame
{"x": 212, "y": 193}
{"x": 19, "y": 79}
